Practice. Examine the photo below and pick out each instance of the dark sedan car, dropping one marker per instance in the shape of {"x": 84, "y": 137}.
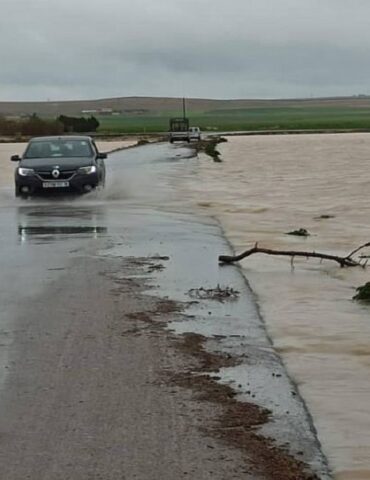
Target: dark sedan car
{"x": 68, "y": 163}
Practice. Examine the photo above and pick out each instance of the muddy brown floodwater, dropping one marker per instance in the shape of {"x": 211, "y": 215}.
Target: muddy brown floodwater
{"x": 265, "y": 187}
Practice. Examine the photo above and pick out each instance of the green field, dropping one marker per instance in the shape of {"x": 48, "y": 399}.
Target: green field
{"x": 255, "y": 119}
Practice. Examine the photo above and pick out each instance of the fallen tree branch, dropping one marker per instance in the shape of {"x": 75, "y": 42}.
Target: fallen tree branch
{"x": 358, "y": 249}
{"x": 347, "y": 261}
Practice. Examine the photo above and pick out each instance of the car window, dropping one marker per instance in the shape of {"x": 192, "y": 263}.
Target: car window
{"x": 59, "y": 148}
{"x": 95, "y": 147}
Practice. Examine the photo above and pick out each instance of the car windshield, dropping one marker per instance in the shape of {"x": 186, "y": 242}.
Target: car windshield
{"x": 59, "y": 148}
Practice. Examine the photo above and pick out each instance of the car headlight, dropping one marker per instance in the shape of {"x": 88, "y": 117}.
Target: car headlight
{"x": 26, "y": 172}
{"x": 87, "y": 170}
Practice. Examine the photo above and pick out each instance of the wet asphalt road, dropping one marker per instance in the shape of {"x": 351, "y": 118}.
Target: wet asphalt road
{"x": 63, "y": 379}
{"x": 80, "y": 390}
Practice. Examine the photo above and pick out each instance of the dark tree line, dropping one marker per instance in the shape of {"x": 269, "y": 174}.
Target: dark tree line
{"x": 30, "y": 126}
{"x": 79, "y": 124}
{"x": 34, "y": 125}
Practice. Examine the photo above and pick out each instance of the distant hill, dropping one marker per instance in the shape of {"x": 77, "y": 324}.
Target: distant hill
{"x": 158, "y": 105}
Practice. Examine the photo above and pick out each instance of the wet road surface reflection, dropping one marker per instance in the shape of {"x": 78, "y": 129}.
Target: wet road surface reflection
{"x": 60, "y": 221}
{"x": 60, "y": 230}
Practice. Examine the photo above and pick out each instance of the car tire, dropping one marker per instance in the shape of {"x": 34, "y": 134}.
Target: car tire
{"x": 19, "y": 194}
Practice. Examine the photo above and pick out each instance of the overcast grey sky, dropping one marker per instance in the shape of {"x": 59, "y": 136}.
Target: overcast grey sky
{"x": 73, "y": 49}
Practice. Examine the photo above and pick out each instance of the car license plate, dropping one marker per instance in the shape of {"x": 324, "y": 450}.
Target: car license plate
{"x": 55, "y": 184}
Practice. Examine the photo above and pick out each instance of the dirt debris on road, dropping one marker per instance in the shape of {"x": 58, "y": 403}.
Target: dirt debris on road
{"x": 235, "y": 423}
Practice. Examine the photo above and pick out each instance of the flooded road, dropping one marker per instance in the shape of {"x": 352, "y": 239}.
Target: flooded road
{"x": 268, "y": 186}
{"x": 81, "y": 379}
{"x": 81, "y": 392}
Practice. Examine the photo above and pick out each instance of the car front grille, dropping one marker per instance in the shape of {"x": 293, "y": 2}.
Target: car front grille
{"x": 63, "y": 175}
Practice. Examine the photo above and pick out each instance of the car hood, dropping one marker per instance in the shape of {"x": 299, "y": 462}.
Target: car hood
{"x": 62, "y": 163}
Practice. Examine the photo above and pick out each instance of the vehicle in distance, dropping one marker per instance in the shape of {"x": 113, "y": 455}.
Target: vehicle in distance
{"x": 67, "y": 163}
{"x": 194, "y": 133}
{"x": 179, "y": 130}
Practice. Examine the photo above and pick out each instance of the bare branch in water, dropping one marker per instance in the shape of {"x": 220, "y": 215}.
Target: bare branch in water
{"x": 347, "y": 261}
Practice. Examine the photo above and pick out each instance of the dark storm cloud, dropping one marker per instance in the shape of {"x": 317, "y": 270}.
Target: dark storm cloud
{"x": 241, "y": 48}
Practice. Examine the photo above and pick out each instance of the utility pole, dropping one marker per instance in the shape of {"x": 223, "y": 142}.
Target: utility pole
{"x": 183, "y": 108}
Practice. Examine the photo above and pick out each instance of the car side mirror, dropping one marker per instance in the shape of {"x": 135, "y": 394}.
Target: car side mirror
{"x": 15, "y": 158}
{"x": 102, "y": 156}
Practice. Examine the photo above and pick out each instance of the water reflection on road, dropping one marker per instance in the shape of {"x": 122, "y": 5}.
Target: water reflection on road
{"x": 41, "y": 235}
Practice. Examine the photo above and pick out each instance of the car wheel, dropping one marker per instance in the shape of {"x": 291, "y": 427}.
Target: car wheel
{"x": 19, "y": 194}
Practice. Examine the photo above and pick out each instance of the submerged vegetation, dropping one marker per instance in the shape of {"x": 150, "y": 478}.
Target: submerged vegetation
{"x": 363, "y": 293}
{"x": 208, "y": 146}
{"x": 301, "y": 232}
{"x": 219, "y": 293}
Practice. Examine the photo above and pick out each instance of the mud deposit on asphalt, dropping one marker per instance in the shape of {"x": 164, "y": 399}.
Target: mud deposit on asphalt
{"x": 237, "y": 423}
{"x": 220, "y": 337}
